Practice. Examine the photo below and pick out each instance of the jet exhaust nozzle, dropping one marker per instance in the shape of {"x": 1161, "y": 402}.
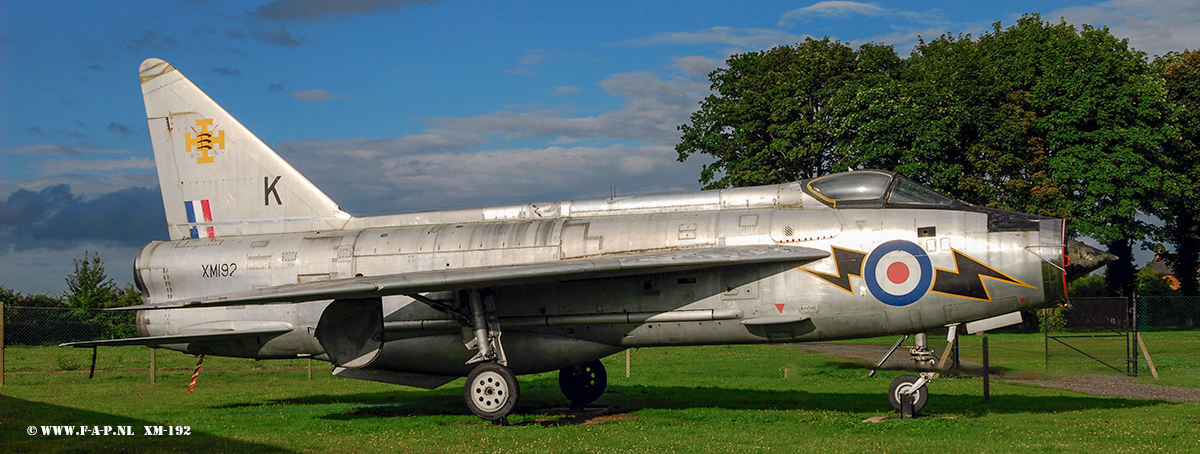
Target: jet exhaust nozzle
{"x": 1083, "y": 259}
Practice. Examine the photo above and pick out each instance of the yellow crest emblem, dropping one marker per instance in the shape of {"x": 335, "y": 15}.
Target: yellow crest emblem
{"x": 205, "y": 141}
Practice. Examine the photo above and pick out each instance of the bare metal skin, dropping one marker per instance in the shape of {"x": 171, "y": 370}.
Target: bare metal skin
{"x": 262, "y": 264}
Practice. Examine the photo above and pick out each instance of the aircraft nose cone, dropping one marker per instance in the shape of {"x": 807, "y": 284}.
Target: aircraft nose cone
{"x": 1084, "y": 259}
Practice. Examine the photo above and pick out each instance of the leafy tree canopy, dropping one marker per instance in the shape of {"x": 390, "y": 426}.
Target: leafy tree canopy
{"x": 1038, "y": 117}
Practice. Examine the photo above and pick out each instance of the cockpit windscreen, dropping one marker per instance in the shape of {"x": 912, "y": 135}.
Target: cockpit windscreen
{"x": 864, "y": 188}
{"x": 906, "y": 192}
{"x": 852, "y": 186}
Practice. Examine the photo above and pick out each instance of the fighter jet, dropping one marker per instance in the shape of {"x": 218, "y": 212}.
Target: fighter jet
{"x": 262, "y": 264}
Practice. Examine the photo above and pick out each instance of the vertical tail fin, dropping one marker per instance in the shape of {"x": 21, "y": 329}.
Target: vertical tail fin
{"x": 216, "y": 177}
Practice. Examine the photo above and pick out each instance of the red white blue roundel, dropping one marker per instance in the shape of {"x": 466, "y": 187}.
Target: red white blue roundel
{"x": 898, "y": 273}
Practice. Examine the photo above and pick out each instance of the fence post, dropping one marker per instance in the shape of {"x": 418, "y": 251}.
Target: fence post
{"x": 627, "y": 363}
{"x": 987, "y": 390}
{"x": 1046, "y": 335}
{"x": 1, "y": 343}
{"x": 153, "y": 365}
{"x": 1133, "y": 322}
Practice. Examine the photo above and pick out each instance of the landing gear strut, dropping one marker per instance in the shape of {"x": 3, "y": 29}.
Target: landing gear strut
{"x": 583, "y": 384}
{"x": 491, "y": 390}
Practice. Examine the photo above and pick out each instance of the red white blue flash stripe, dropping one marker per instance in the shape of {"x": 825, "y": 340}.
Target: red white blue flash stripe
{"x": 205, "y": 216}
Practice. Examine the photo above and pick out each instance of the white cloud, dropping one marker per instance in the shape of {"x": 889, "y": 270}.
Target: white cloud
{"x": 748, "y": 38}
{"x": 52, "y": 149}
{"x": 468, "y": 162}
{"x": 62, "y": 167}
{"x": 654, "y": 109}
{"x": 696, "y": 66}
{"x": 314, "y": 95}
{"x": 846, "y": 9}
{"x": 835, "y": 8}
{"x": 1154, "y": 26}
{"x": 531, "y": 59}
{"x": 566, "y": 90}
{"x": 390, "y": 175}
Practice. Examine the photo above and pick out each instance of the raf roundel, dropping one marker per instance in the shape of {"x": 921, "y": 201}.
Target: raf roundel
{"x": 898, "y": 273}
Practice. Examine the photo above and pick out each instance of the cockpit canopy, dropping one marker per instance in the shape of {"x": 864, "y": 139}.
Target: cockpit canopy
{"x": 874, "y": 188}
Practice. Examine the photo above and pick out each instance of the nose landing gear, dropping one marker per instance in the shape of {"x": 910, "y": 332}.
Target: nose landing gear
{"x": 912, "y": 388}
{"x": 907, "y": 393}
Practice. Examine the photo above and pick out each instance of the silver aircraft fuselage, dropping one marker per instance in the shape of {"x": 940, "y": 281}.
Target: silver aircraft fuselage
{"x": 892, "y": 268}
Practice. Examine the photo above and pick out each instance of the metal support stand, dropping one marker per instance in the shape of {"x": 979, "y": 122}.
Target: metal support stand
{"x": 92, "y": 372}
{"x": 951, "y": 353}
{"x": 153, "y": 365}
{"x": 895, "y": 346}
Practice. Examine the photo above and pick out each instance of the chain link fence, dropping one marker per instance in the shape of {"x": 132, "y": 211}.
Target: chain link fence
{"x": 32, "y": 355}
{"x": 1167, "y": 326}
{"x": 1170, "y": 329}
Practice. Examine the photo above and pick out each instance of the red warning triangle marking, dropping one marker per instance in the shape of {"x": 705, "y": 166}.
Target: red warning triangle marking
{"x": 780, "y": 307}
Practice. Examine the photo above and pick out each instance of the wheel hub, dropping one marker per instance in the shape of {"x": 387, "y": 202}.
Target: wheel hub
{"x": 489, "y": 391}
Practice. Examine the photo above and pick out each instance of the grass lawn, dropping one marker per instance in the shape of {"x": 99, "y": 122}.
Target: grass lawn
{"x": 687, "y": 399}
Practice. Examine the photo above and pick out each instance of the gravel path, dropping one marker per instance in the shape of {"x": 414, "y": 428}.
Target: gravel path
{"x": 1115, "y": 386}
{"x": 1096, "y": 385}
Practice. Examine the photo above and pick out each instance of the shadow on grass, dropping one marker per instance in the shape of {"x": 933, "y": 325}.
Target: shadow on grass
{"x": 619, "y": 399}
{"x": 16, "y": 415}
{"x": 965, "y": 368}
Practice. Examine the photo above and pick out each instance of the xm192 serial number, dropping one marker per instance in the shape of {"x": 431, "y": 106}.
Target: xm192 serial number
{"x": 219, "y": 270}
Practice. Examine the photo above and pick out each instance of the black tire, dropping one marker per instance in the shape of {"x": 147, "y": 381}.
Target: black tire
{"x": 583, "y": 384}
{"x": 903, "y": 383}
{"x": 491, "y": 391}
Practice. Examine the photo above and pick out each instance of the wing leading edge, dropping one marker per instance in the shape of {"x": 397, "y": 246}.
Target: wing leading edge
{"x": 574, "y": 269}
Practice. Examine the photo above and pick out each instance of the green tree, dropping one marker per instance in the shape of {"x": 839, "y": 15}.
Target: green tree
{"x": 89, "y": 287}
{"x": 1150, "y": 283}
{"x": 774, "y": 116}
{"x": 1098, "y": 111}
{"x": 12, "y": 298}
{"x": 1090, "y": 286}
{"x": 1180, "y": 72}
{"x": 1038, "y": 117}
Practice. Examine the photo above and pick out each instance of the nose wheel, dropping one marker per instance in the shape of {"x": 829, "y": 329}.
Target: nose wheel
{"x": 583, "y": 384}
{"x": 491, "y": 392}
{"x": 909, "y": 387}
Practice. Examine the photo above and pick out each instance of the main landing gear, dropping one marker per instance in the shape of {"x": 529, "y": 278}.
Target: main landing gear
{"x": 492, "y": 390}
{"x": 583, "y": 384}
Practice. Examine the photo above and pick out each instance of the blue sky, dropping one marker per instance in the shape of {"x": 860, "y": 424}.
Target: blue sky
{"x": 393, "y": 106}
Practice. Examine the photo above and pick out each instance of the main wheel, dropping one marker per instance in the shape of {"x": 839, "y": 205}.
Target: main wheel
{"x": 491, "y": 391}
{"x": 583, "y": 384}
{"x": 900, "y": 386}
